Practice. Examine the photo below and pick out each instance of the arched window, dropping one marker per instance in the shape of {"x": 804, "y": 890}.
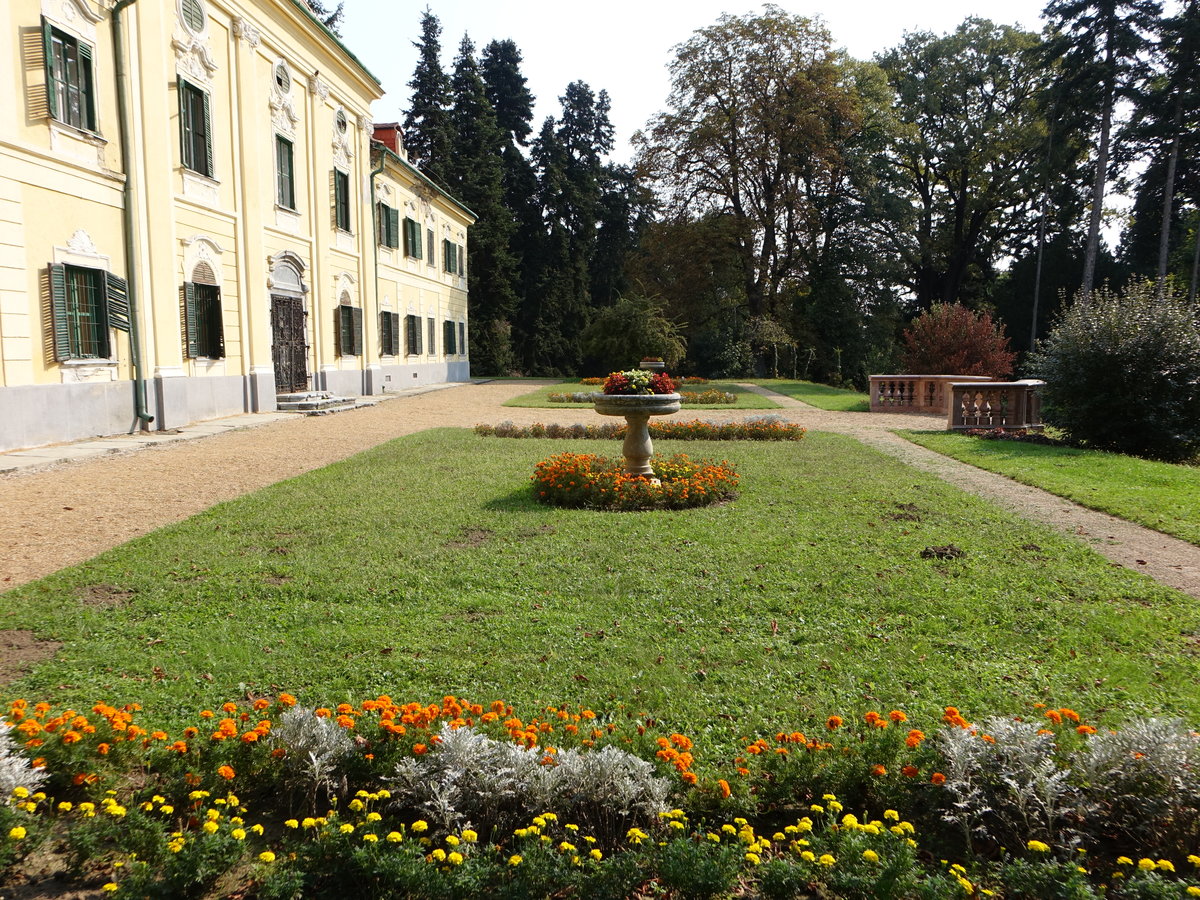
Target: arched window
{"x": 203, "y": 330}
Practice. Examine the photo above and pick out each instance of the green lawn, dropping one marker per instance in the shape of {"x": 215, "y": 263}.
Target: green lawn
{"x": 423, "y": 567}
{"x": 540, "y": 398}
{"x": 821, "y": 396}
{"x": 1159, "y": 495}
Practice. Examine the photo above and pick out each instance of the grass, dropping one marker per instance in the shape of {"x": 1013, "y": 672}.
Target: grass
{"x": 540, "y": 398}
{"x": 821, "y": 396}
{"x": 1159, "y": 495}
{"x": 423, "y": 567}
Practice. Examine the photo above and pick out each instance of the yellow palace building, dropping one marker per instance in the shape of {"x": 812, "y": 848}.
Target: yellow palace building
{"x": 199, "y": 217}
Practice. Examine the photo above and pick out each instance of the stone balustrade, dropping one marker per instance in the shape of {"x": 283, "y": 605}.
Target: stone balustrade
{"x": 995, "y": 404}
{"x": 915, "y": 393}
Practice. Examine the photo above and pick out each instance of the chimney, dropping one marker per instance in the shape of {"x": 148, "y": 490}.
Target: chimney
{"x": 391, "y": 135}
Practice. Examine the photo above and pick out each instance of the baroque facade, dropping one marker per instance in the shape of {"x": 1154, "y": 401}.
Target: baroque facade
{"x": 196, "y": 217}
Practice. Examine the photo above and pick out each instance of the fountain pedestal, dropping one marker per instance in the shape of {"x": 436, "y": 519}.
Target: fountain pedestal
{"x": 637, "y": 410}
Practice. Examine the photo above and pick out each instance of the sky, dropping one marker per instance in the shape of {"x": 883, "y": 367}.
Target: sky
{"x": 622, "y": 46}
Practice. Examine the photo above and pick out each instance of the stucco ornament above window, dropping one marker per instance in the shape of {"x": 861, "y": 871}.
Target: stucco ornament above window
{"x": 77, "y": 16}
{"x": 190, "y": 41}
{"x": 283, "y": 110}
{"x": 343, "y": 147}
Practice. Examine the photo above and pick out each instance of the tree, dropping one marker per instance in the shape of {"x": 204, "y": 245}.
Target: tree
{"x": 1122, "y": 372}
{"x": 1101, "y": 45}
{"x": 971, "y": 156}
{"x": 1164, "y": 127}
{"x": 755, "y": 103}
{"x": 475, "y": 176}
{"x": 330, "y": 18}
{"x": 631, "y": 329}
{"x": 950, "y": 339}
{"x": 427, "y": 128}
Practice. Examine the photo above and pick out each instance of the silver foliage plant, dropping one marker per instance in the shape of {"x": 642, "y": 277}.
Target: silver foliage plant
{"x": 15, "y": 770}
{"x": 470, "y": 778}
{"x": 314, "y": 746}
{"x": 1138, "y": 787}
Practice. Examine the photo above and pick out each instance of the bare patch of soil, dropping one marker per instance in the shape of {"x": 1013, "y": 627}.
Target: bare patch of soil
{"x": 20, "y": 651}
{"x": 471, "y": 536}
{"x": 104, "y": 596}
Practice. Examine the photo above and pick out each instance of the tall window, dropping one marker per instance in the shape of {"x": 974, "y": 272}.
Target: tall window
{"x": 341, "y": 200}
{"x": 449, "y": 254}
{"x": 412, "y": 238}
{"x": 448, "y": 343}
{"x": 84, "y": 304}
{"x": 195, "y": 128}
{"x": 462, "y": 338}
{"x": 349, "y": 330}
{"x": 429, "y": 243}
{"x": 431, "y": 327}
{"x": 412, "y": 328}
{"x": 69, "y": 88}
{"x": 388, "y": 220}
{"x": 202, "y": 320}
{"x": 389, "y": 333}
{"x": 285, "y": 174}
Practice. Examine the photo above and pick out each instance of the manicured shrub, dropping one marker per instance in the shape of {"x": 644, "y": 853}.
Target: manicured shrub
{"x": 950, "y": 339}
{"x": 1122, "y": 372}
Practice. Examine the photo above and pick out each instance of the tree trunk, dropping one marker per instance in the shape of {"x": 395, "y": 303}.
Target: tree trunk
{"x": 1101, "y": 180}
{"x": 1164, "y": 237}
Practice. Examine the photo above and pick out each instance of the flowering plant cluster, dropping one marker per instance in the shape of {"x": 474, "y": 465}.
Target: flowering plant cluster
{"x": 1010, "y": 434}
{"x": 388, "y": 799}
{"x": 639, "y": 381}
{"x": 597, "y": 482}
{"x": 762, "y": 428}
{"x": 692, "y": 379}
{"x": 591, "y": 380}
{"x": 709, "y": 396}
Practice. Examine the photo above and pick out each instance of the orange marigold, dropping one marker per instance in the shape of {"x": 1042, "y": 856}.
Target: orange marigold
{"x": 724, "y": 787}
{"x": 937, "y": 778}
{"x": 897, "y": 716}
{"x": 833, "y": 723}
{"x": 909, "y": 771}
{"x": 226, "y": 772}
{"x": 878, "y": 771}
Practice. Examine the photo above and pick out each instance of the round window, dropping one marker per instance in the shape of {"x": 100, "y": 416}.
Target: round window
{"x": 283, "y": 78}
{"x": 340, "y": 121}
{"x": 192, "y": 13}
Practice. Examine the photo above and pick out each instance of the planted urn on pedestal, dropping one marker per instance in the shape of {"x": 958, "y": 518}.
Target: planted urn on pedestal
{"x": 637, "y": 395}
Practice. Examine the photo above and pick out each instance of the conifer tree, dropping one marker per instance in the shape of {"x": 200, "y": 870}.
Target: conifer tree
{"x": 475, "y": 176}
{"x": 330, "y": 18}
{"x": 427, "y": 130}
{"x": 1102, "y": 45}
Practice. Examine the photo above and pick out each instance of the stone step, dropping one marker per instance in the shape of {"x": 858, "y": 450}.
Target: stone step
{"x": 314, "y": 403}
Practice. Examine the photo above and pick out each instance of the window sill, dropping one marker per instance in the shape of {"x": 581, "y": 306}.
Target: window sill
{"x": 77, "y": 144}
{"x": 88, "y": 361}
{"x": 200, "y": 187}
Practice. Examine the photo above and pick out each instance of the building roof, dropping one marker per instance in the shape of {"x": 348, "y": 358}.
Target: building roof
{"x": 307, "y": 11}
{"x": 387, "y": 153}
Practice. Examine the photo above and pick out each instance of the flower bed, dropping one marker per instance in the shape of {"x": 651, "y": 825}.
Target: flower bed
{"x": 710, "y": 396}
{"x": 764, "y": 428}
{"x": 639, "y": 381}
{"x": 597, "y": 482}
{"x": 452, "y": 798}
{"x": 1023, "y": 435}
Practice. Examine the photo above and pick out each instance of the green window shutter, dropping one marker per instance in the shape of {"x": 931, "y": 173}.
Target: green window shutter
{"x": 341, "y": 324}
{"x": 333, "y": 198}
{"x": 356, "y": 325}
{"x": 416, "y": 226}
{"x": 462, "y": 339}
{"x": 208, "y": 141}
{"x": 408, "y": 243}
{"x": 393, "y": 224}
{"x": 395, "y": 345}
{"x": 432, "y": 248}
{"x": 116, "y": 293}
{"x": 461, "y": 256}
{"x": 58, "y": 311}
{"x": 51, "y": 87}
{"x": 447, "y": 253}
{"x": 385, "y": 334}
{"x": 87, "y": 103}
{"x": 191, "y": 320}
{"x": 185, "y": 126}
{"x": 448, "y": 337}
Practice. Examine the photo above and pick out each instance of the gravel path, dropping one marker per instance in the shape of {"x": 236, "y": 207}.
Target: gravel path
{"x": 65, "y": 514}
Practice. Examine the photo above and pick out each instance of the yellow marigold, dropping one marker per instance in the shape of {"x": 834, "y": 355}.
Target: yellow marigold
{"x": 210, "y": 827}
{"x": 110, "y": 888}
{"x": 871, "y": 856}
{"x": 596, "y": 855}
{"x": 1193, "y": 891}
{"x": 1147, "y": 865}
{"x": 346, "y": 828}
{"x": 515, "y": 860}
{"x": 469, "y": 836}
{"x": 1164, "y": 865}
{"x": 370, "y": 838}
{"x": 1038, "y": 847}
{"x": 266, "y": 856}
{"x": 452, "y": 840}
{"x": 826, "y": 859}
{"x": 808, "y": 856}
{"x": 455, "y": 859}
{"x": 17, "y": 833}
{"x": 438, "y": 855}
{"x": 1124, "y": 861}
{"x": 420, "y": 826}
